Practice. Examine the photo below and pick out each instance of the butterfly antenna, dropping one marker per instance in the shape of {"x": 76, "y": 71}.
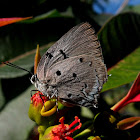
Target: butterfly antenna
{"x": 15, "y": 66}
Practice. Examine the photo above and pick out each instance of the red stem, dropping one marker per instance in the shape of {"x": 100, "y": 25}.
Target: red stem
{"x": 120, "y": 104}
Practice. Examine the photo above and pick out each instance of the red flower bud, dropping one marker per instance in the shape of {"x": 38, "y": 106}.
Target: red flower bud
{"x": 42, "y": 110}
{"x": 38, "y": 98}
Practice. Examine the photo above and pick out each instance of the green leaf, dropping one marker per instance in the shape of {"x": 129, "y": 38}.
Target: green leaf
{"x": 14, "y": 121}
{"x": 51, "y": 14}
{"x": 124, "y": 72}
{"x": 87, "y": 113}
{"x": 132, "y": 8}
{"x": 18, "y": 39}
{"x": 25, "y": 61}
{"x": 90, "y": 138}
{"x": 119, "y": 37}
{"x": 83, "y": 133}
{"x": 2, "y": 98}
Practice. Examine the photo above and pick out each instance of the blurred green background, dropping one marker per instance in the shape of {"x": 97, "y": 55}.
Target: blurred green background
{"x": 119, "y": 35}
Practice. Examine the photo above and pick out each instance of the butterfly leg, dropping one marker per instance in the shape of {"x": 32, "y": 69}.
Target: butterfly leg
{"x": 31, "y": 94}
{"x": 55, "y": 94}
{"x": 42, "y": 99}
{"x": 96, "y": 97}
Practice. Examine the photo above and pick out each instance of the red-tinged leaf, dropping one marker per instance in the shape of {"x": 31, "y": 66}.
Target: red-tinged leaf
{"x": 37, "y": 59}
{"x": 132, "y": 96}
{"x": 134, "y": 92}
{"x": 128, "y": 123}
{"x": 6, "y": 21}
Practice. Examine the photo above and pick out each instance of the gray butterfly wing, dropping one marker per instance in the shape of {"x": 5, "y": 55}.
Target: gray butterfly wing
{"x": 76, "y": 80}
{"x": 81, "y": 39}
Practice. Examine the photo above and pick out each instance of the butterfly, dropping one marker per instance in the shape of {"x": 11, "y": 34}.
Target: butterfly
{"x": 73, "y": 70}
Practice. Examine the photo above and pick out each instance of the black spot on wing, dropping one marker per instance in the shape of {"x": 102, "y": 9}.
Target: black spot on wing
{"x": 70, "y": 95}
{"x": 86, "y": 85}
{"x": 81, "y": 60}
{"x": 58, "y": 73}
{"x": 74, "y": 75}
{"x": 64, "y": 55}
{"x": 49, "y": 55}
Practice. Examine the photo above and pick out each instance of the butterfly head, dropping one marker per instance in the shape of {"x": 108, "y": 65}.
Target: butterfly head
{"x": 45, "y": 87}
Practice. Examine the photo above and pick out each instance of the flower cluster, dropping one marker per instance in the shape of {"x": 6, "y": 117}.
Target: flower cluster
{"x": 41, "y": 108}
{"x": 64, "y": 131}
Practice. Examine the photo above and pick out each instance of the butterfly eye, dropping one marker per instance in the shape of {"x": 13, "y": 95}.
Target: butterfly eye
{"x": 33, "y": 78}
